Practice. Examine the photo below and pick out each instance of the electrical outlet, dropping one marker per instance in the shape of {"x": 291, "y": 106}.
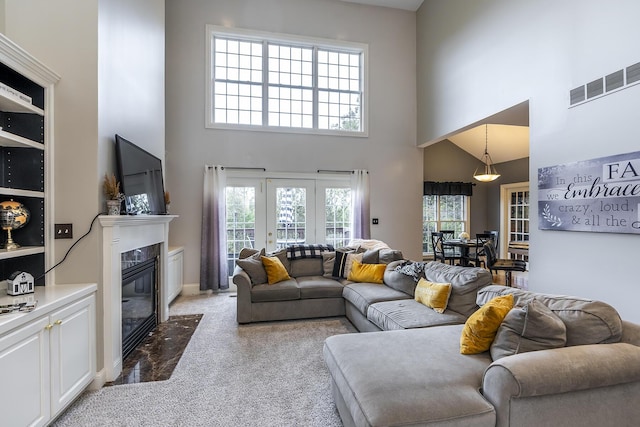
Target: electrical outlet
{"x": 63, "y": 231}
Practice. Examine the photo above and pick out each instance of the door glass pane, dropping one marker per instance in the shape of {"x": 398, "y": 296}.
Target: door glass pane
{"x": 241, "y": 221}
{"x": 291, "y": 216}
{"x": 338, "y": 216}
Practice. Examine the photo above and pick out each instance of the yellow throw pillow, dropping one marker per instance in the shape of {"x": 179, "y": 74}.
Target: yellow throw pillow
{"x": 433, "y": 295}
{"x": 480, "y": 328}
{"x": 369, "y": 273}
{"x": 275, "y": 269}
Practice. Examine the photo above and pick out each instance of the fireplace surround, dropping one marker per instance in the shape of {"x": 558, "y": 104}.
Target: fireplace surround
{"x": 120, "y": 234}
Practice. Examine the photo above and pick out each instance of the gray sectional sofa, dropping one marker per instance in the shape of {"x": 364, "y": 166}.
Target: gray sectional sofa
{"x": 409, "y": 371}
{"x": 418, "y": 377}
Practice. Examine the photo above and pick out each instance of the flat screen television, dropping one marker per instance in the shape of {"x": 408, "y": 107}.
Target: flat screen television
{"x": 140, "y": 176}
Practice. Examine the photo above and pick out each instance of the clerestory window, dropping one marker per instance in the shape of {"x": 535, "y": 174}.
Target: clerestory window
{"x": 263, "y": 81}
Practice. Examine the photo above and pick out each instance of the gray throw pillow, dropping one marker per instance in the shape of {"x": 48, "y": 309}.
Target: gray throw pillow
{"x": 252, "y": 265}
{"x": 328, "y": 260}
{"x": 247, "y": 252}
{"x": 371, "y": 256}
{"x": 386, "y": 256}
{"x": 529, "y": 328}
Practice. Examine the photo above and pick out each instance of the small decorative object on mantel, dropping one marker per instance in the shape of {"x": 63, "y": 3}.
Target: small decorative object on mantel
{"x": 20, "y": 283}
{"x": 114, "y": 196}
{"x": 13, "y": 215}
{"x": 167, "y": 200}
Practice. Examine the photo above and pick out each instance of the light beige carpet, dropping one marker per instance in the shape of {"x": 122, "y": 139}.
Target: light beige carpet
{"x": 263, "y": 374}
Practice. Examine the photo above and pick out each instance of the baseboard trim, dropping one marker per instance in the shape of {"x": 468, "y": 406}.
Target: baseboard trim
{"x": 98, "y": 381}
{"x": 190, "y": 289}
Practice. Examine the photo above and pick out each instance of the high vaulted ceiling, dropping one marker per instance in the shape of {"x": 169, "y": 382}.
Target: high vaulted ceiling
{"x": 411, "y": 5}
{"x": 507, "y": 135}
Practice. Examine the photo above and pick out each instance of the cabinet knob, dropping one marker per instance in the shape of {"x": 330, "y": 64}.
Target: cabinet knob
{"x": 48, "y": 327}
{"x": 58, "y": 322}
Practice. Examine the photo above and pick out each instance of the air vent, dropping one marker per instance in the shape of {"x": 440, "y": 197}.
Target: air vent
{"x": 614, "y": 81}
{"x": 633, "y": 73}
{"x": 577, "y": 95}
{"x": 594, "y": 88}
{"x": 618, "y": 80}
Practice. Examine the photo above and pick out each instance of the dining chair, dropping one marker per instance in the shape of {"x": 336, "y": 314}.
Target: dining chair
{"x": 496, "y": 239}
{"x": 477, "y": 255}
{"x": 440, "y": 252}
{"x": 506, "y": 265}
{"x": 448, "y": 235}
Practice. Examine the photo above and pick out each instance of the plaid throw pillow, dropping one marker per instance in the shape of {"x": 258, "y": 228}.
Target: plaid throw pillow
{"x": 307, "y": 251}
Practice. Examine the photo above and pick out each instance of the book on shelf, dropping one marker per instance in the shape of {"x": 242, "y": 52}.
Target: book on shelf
{"x": 11, "y": 92}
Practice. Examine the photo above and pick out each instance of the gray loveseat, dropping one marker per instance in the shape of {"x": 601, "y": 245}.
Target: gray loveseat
{"x": 417, "y": 377}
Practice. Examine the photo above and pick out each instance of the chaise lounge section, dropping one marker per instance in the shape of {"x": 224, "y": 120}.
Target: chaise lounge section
{"x": 416, "y": 377}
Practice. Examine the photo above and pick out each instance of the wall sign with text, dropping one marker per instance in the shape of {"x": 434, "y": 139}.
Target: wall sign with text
{"x": 599, "y": 195}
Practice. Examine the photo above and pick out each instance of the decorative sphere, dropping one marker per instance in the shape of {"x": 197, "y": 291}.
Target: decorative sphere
{"x": 13, "y": 215}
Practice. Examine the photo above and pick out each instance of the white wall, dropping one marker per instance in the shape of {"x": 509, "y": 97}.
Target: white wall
{"x": 476, "y": 58}
{"x": 110, "y": 56}
{"x": 389, "y": 153}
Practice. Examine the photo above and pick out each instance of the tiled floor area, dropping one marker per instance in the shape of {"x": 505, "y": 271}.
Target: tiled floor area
{"x": 156, "y": 357}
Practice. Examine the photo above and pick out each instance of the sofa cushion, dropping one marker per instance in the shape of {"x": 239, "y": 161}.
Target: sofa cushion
{"x": 344, "y": 260}
{"x": 252, "y": 265}
{"x": 481, "y": 327}
{"x": 319, "y": 287}
{"x": 587, "y": 321}
{"x": 385, "y": 256}
{"x": 275, "y": 270}
{"x": 371, "y": 256}
{"x": 371, "y": 273}
{"x": 531, "y": 327}
{"x": 433, "y": 295}
{"x": 362, "y": 295}
{"x": 381, "y": 378}
{"x": 306, "y": 267}
{"x": 281, "y": 254}
{"x": 328, "y": 261}
{"x": 409, "y": 314}
{"x": 399, "y": 281}
{"x": 465, "y": 282}
{"x": 282, "y": 291}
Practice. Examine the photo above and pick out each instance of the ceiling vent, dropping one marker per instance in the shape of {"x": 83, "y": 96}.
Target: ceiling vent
{"x": 602, "y": 86}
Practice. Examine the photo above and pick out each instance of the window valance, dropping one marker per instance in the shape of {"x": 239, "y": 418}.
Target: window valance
{"x": 432, "y": 188}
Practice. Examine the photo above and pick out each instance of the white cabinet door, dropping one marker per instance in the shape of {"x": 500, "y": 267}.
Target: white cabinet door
{"x": 175, "y": 269}
{"x": 73, "y": 354}
{"x": 25, "y": 375}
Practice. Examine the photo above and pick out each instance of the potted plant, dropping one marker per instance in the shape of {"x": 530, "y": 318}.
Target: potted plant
{"x": 114, "y": 197}
{"x": 167, "y": 200}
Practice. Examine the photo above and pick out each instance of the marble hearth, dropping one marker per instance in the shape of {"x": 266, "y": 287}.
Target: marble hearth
{"x": 121, "y": 234}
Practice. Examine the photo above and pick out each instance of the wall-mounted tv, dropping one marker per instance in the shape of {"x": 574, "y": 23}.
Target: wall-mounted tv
{"x": 140, "y": 176}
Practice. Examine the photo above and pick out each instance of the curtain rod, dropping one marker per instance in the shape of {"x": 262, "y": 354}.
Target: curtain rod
{"x": 334, "y": 171}
{"x": 239, "y": 168}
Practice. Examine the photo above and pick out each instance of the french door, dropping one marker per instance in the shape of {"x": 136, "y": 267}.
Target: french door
{"x": 272, "y": 213}
{"x": 290, "y": 216}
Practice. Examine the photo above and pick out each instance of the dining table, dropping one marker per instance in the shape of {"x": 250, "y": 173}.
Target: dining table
{"x": 465, "y": 245}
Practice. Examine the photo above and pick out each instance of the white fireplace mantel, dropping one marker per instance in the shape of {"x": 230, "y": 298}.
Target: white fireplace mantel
{"x": 123, "y": 233}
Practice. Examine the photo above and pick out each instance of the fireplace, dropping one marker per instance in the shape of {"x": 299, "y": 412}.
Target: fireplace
{"x": 122, "y": 234}
{"x": 139, "y": 290}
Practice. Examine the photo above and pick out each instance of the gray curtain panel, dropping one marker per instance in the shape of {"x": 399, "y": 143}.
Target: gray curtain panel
{"x": 360, "y": 201}
{"x": 214, "y": 273}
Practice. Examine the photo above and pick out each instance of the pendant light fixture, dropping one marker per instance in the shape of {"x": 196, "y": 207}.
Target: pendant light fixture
{"x": 488, "y": 172}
